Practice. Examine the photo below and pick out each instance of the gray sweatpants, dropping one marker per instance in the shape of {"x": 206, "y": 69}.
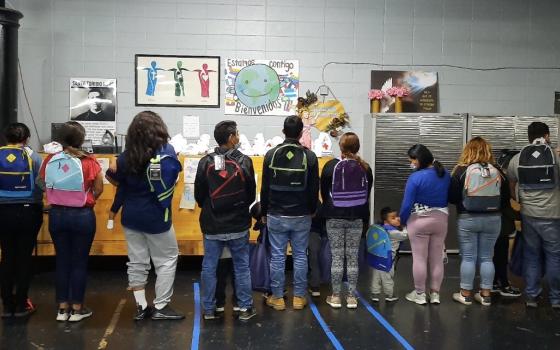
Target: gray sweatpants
{"x": 162, "y": 249}
{"x": 382, "y": 281}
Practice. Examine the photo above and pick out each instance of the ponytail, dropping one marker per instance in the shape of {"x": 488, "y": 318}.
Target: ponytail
{"x": 439, "y": 168}
{"x": 357, "y": 158}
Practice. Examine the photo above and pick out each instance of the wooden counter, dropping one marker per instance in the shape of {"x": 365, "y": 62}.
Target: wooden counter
{"x": 112, "y": 242}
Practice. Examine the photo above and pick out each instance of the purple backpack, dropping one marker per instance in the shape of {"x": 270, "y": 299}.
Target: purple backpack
{"x": 349, "y": 184}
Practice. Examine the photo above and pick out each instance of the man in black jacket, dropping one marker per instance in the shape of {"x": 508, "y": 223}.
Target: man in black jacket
{"x": 224, "y": 189}
{"x": 289, "y": 196}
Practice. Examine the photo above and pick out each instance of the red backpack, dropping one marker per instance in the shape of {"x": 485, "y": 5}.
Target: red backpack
{"x": 227, "y": 186}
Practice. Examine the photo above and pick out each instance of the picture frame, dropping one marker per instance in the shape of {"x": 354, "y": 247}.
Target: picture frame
{"x": 177, "y": 81}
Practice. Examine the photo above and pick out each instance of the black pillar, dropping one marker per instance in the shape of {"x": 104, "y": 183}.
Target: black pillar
{"x": 9, "y": 24}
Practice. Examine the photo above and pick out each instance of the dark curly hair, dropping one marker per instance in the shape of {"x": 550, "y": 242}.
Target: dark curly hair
{"x": 145, "y": 136}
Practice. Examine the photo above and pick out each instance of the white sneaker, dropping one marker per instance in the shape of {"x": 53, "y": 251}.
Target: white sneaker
{"x": 434, "y": 298}
{"x": 62, "y": 315}
{"x": 78, "y": 315}
{"x": 414, "y": 297}
{"x": 460, "y": 298}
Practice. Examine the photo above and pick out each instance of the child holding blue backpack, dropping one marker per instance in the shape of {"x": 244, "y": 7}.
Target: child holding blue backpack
{"x": 383, "y": 280}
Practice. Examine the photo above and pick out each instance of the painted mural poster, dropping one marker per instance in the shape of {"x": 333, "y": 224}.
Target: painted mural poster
{"x": 423, "y": 88}
{"x": 93, "y": 103}
{"x": 261, "y": 87}
{"x": 177, "y": 81}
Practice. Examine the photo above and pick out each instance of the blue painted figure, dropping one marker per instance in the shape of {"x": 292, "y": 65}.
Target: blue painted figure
{"x": 152, "y": 78}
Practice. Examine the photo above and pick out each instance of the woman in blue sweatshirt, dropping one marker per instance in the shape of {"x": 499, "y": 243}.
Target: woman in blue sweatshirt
{"x": 424, "y": 211}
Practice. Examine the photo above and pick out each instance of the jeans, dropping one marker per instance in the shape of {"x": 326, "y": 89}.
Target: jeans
{"x": 541, "y": 237}
{"x": 239, "y": 249}
{"x": 162, "y": 250}
{"x": 477, "y": 236}
{"x": 18, "y": 236}
{"x": 72, "y": 231}
{"x": 296, "y": 231}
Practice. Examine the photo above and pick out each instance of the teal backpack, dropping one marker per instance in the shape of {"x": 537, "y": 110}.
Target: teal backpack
{"x": 378, "y": 242}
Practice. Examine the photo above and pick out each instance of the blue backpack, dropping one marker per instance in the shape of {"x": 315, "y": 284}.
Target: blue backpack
{"x": 16, "y": 172}
{"x": 380, "y": 256}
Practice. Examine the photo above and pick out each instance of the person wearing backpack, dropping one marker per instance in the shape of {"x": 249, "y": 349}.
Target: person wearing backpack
{"x": 73, "y": 181}
{"x": 424, "y": 212}
{"x": 146, "y": 173}
{"x": 289, "y": 197}
{"x": 476, "y": 191}
{"x": 224, "y": 189}
{"x": 534, "y": 183}
{"x": 345, "y": 188}
{"x": 21, "y": 214}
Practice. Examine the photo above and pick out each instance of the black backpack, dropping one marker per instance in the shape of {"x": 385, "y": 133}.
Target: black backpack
{"x": 289, "y": 168}
{"x": 227, "y": 186}
{"x": 505, "y": 157}
{"x": 537, "y": 167}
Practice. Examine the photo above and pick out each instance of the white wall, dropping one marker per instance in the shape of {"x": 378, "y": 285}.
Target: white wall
{"x": 60, "y": 39}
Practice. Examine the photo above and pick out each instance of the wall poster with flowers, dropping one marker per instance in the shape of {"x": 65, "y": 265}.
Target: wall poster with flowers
{"x": 416, "y": 90}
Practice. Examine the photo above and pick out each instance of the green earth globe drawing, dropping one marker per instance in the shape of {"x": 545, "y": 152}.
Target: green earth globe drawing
{"x": 257, "y": 85}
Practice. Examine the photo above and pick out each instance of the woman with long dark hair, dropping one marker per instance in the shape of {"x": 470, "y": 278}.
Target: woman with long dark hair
{"x": 424, "y": 211}
{"x": 345, "y": 189}
{"x": 147, "y": 172}
{"x": 73, "y": 181}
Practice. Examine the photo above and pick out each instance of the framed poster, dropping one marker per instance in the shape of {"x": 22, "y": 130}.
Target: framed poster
{"x": 93, "y": 104}
{"x": 261, "y": 87}
{"x": 423, "y": 88}
{"x": 177, "y": 81}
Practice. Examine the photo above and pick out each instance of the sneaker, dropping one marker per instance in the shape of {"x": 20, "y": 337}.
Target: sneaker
{"x": 391, "y": 298}
{"x": 556, "y": 306}
{"x": 334, "y": 301}
{"x": 247, "y": 314}
{"x": 531, "y": 302}
{"x": 465, "y": 300}
{"x": 142, "y": 314}
{"x": 212, "y": 315}
{"x": 299, "y": 303}
{"x": 7, "y": 311}
{"x": 418, "y": 298}
{"x": 277, "y": 304}
{"x": 62, "y": 315}
{"x": 236, "y": 308}
{"x": 483, "y": 300}
{"x": 315, "y": 292}
{"x": 78, "y": 315}
{"x": 510, "y": 292}
{"x": 375, "y": 298}
{"x": 220, "y": 309}
{"x": 167, "y": 313}
{"x": 496, "y": 288}
{"x": 351, "y": 302}
{"x": 434, "y": 298}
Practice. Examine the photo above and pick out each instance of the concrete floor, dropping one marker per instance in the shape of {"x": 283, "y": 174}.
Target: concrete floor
{"x": 507, "y": 324}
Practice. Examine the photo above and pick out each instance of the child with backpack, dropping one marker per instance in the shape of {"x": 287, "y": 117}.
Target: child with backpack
{"x": 382, "y": 280}
{"x": 476, "y": 190}
{"x": 73, "y": 181}
{"x": 345, "y": 188}
{"x": 21, "y": 214}
{"x": 224, "y": 189}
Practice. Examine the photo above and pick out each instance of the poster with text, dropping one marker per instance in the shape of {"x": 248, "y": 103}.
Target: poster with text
{"x": 423, "y": 88}
{"x": 261, "y": 87}
{"x": 93, "y": 103}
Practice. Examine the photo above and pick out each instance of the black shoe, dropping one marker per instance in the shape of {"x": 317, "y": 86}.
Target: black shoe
{"x": 142, "y": 314}
{"x": 167, "y": 313}
{"x": 247, "y": 314}
{"x": 531, "y": 302}
{"x": 220, "y": 308}
{"x": 212, "y": 315}
{"x": 510, "y": 292}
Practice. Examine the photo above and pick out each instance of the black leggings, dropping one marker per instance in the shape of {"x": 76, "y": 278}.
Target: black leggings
{"x": 501, "y": 251}
{"x": 18, "y": 236}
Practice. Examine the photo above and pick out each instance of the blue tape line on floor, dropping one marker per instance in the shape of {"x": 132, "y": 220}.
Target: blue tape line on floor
{"x": 196, "y": 324}
{"x": 384, "y": 323}
{"x": 326, "y": 328}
